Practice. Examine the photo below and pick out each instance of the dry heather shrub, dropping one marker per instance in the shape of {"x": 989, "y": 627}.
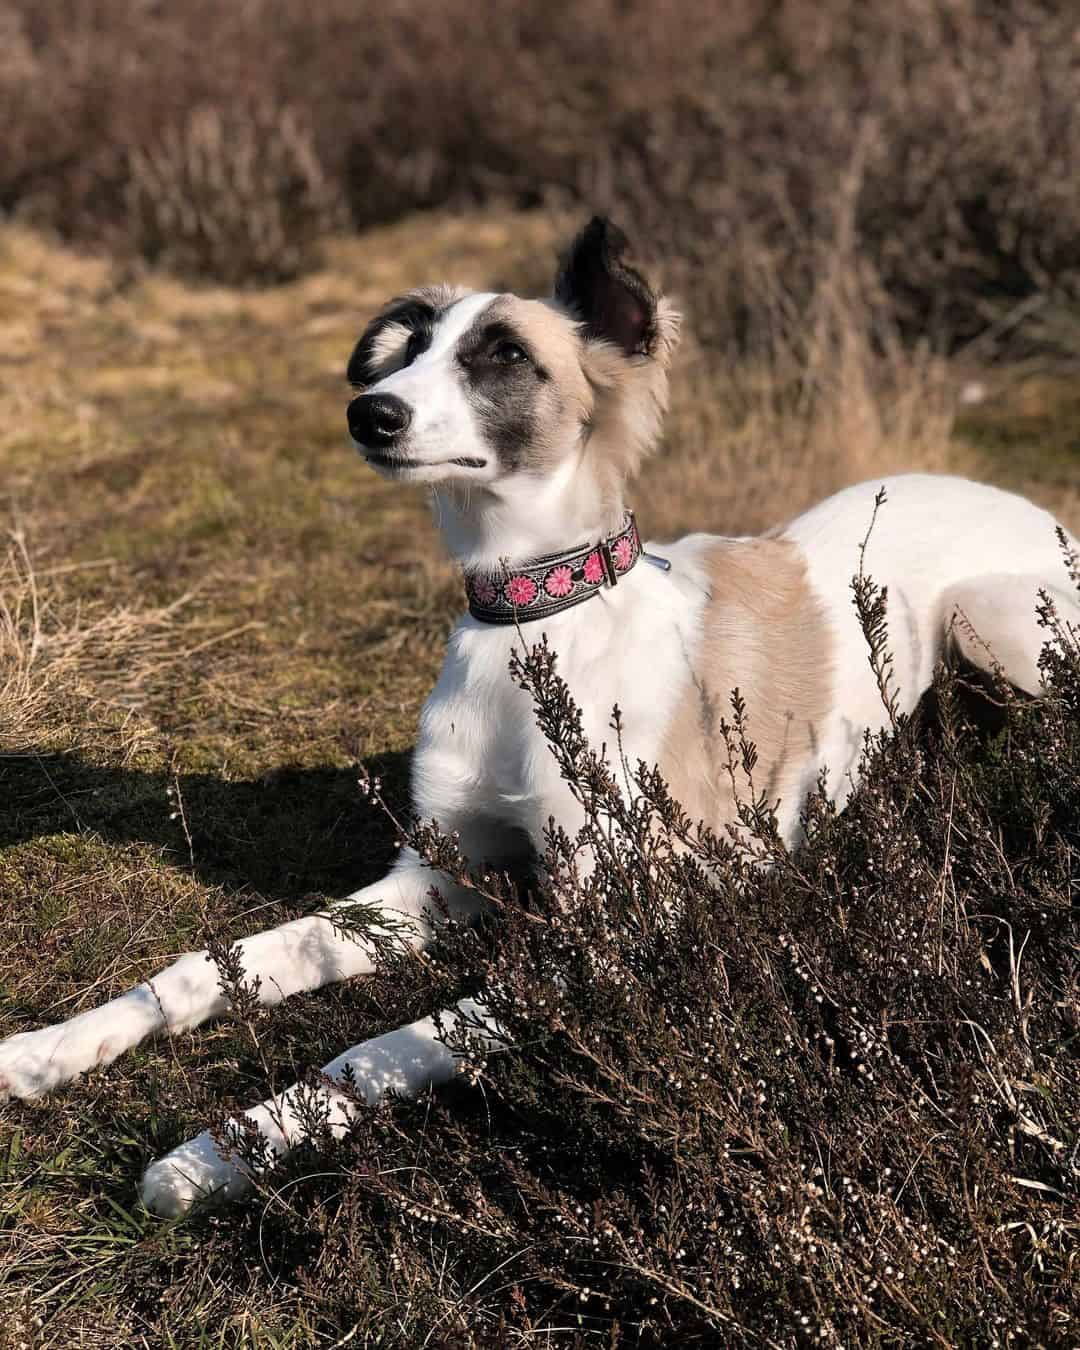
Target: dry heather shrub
{"x": 831, "y": 1100}
{"x": 236, "y": 194}
{"x": 945, "y": 129}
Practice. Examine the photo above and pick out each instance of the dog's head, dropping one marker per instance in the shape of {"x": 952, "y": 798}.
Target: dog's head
{"x": 480, "y": 389}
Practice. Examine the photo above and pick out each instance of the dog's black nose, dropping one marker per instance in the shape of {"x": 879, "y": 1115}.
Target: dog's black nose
{"x": 377, "y": 420}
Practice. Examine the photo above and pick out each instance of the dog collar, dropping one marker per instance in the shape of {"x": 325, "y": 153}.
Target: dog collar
{"x": 558, "y": 581}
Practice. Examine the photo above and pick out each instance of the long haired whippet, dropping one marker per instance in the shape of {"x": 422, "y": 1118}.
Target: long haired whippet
{"x": 527, "y": 418}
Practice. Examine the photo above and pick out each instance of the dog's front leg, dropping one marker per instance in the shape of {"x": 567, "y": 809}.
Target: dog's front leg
{"x": 405, "y": 1061}
{"x": 304, "y": 954}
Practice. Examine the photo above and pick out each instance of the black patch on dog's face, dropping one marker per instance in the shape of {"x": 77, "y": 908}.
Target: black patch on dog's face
{"x": 419, "y": 316}
{"x": 504, "y": 382}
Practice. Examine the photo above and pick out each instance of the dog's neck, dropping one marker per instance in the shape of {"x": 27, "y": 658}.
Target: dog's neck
{"x": 528, "y": 516}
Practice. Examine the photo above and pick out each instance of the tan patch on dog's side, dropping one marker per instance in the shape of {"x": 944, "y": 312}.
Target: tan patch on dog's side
{"x": 764, "y": 633}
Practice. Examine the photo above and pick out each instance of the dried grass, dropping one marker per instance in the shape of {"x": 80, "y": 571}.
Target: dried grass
{"x": 65, "y": 669}
{"x": 816, "y": 401}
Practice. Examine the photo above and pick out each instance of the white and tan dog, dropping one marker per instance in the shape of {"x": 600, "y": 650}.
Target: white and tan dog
{"x": 527, "y": 417}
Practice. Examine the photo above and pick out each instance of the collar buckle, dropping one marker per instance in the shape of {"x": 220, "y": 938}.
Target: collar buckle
{"x": 609, "y": 563}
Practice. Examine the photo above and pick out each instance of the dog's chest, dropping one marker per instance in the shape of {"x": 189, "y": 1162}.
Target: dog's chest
{"x": 481, "y": 754}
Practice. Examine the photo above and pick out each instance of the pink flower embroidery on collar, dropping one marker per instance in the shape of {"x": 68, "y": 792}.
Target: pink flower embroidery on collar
{"x": 484, "y": 590}
{"x": 559, "y": 582}
{"x": 521, "y": 590}
{"x": 593, "y": 569}
{"x": 623, "y": 553}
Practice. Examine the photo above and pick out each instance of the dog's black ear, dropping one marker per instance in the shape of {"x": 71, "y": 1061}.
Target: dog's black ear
{"x": 615, "y": 302}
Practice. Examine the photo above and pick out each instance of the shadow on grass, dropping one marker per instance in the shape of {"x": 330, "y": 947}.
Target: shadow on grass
{"x": 290, "y": 832}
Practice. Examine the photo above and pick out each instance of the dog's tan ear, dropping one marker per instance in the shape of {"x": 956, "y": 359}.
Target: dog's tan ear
{"x": 614, "y": 301}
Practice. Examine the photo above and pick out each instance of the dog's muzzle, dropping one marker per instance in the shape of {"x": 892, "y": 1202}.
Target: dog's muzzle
{"x": 378, "y": 420}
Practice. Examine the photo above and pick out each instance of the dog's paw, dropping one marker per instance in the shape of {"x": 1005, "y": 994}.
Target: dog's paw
{"x": 34, "y": 1062}
{"x": 193, "y": 1173}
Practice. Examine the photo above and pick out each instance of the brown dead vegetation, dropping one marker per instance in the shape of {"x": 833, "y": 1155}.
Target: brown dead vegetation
{"x": 931, "y": 143}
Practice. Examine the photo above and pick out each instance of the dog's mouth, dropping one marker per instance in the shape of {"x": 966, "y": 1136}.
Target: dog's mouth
{"x": 400, "y": 462}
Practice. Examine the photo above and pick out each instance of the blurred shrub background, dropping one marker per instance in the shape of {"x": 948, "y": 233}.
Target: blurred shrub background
{"x": 936, "y": 138}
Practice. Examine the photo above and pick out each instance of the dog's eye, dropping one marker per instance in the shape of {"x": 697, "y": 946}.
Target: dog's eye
{"x": 509, "y": 354}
